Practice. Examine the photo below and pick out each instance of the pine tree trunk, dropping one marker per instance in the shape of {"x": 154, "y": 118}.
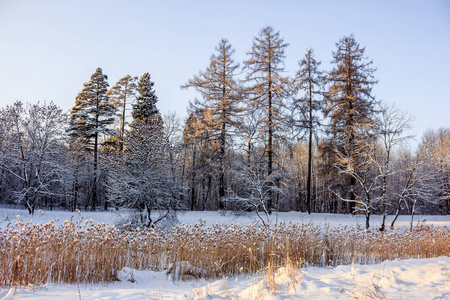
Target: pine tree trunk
{"x": 94, "y": 187}
{"x": 122, "y": 128}
{"x": 94, "y": 184}
{"x": 308, "y": 183}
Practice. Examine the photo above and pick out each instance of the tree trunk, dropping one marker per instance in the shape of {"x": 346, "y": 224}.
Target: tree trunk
{"x": 383, "y": 222}
{"x": 269, "y": 146}
{"x": 308, "y": 182}
{"x": 397, "y": 213}
{"x": 94, "y": 187}
{"x": 94, "y": 179}
{"x": 222, "y": 162}
{"x": 367, "y": 220}
{"x": 193, "y": 180}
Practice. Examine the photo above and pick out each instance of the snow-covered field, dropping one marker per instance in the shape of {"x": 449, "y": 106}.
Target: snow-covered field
{"x": 211, "y": 218}
{"x": 401, "y": 279}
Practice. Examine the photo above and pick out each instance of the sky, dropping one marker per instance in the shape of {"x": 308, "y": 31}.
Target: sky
{"x": 48, "y": 49}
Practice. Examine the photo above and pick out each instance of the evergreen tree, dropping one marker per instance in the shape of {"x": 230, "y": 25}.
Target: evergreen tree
{"x": 142, "y": 179}
{"x": 310, "y": 80}
{"x": 145, "y": 107}
{"x": 91, "y": 118}
{"x": 350, "y": 104}
{"x": 268, "y": 87}
{"x": 121, "y": 95}
{"x": 221, "y": 91}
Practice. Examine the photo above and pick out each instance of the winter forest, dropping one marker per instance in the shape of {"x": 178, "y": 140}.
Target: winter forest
{"x": 254, "y": 141}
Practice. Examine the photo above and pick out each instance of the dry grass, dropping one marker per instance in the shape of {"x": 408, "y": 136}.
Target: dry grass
{"x": 369, "y": 291}
{"x": 85, "y": 252}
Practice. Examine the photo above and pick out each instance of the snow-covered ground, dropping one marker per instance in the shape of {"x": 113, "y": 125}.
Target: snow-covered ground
{"x": 401, "y": 279}
{"x": 210, "y": 217}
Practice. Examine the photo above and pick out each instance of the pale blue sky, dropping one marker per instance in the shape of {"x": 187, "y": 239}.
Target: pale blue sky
{"x": 48, "y": 49}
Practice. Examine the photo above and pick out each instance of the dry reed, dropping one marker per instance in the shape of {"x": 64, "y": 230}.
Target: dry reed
{"x": 86, "y": 252}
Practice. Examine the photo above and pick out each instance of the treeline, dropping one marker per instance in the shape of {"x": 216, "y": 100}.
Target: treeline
{"x": 257, "y": 140}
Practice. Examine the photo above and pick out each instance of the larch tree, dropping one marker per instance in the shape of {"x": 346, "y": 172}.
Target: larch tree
{"x": 310, "y": 81}
{"x": 121, "y": 95}
{"x": 221, "y": 92}
{"x": 350, "y": 103}
{"x": 90, "y": 120}
{"x": 267, "y": 86}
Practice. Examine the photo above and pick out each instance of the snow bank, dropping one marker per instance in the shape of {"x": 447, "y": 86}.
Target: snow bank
{"x": 401, "y": 279}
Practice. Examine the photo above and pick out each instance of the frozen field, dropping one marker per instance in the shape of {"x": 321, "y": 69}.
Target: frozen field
{"x": 399, "y": 279}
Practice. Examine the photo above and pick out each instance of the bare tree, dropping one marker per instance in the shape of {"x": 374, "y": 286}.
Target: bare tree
{"x": 31, "y": 162}
{"x": 250, "y": 192}
{"x": 359, "y": 165}
{"x": 435, "y": 146}
{"x": 391, "y": 126}
{"x": 412, "y": 182}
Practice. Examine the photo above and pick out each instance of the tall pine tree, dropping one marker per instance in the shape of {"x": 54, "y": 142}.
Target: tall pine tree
{"x": 90, "y": 120}
{"x": 121, "y": 95}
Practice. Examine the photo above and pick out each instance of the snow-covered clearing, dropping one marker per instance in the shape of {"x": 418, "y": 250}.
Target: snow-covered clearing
{"x": 400, "y": 279}
{"x": 212, "y": 218}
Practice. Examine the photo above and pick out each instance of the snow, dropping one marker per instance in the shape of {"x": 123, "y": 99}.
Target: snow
{"x": 212, "y": 217}
{"x": 401, "y": 279}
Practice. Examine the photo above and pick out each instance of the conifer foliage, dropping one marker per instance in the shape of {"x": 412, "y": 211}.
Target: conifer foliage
{"x": 90, "y": 120}
{"x": 141, "y": 179}
{"x": 145, "y": 107}
{"x": 121, "y": 95}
